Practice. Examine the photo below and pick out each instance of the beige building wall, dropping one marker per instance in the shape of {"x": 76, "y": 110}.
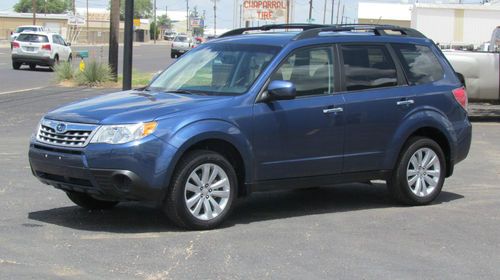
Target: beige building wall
{"x": 402, "y": 23}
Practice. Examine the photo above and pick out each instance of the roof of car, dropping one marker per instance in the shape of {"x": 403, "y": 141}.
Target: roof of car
{"x": 265, "y": 35}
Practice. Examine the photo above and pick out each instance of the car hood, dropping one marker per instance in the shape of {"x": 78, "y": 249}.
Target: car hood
{"x": 130, "y": 107}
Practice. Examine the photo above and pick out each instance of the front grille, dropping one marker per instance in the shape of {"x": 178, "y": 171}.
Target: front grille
{"x": 73, "y": 135}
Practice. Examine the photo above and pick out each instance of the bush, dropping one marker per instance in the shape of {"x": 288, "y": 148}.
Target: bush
{"x": 64, "y": 71}
{"x": 95, "y": 73}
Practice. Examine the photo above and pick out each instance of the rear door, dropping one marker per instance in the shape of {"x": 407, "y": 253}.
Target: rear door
{"x": 377, "y": 99}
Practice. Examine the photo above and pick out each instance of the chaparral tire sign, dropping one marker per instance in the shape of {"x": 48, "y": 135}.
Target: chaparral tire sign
{"x": 272, "y": 10}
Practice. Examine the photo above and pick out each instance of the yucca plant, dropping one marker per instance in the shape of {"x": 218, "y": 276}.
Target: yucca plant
{"x": 94, "y": 74}
{"x": 64, "y": 71}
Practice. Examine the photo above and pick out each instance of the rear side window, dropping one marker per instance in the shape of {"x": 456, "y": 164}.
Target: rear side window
{"x": 420, "y": 63}
{"x": 368, "y": 67}
{"x": 34, "y": 38}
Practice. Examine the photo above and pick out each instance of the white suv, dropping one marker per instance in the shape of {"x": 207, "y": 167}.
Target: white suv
{"x": 180, "y": 45}
{"x": 26, "y": 28}
{"x": 39, "y": 48}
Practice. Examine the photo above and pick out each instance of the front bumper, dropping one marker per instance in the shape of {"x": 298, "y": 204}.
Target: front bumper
{"x": 125, "y": 173}
{"x": 27, "y": 59}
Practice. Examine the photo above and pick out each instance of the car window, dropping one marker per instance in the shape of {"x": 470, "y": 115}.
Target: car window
{"x": 180, "y": 39}
{"x": 367, "y": 67}
{"x": 216, "y": 69}
{"x": 26, "y": 28}
{"x": 311, "y": 70}
{"x": 34, "y": 38}
{"x": 420, "y": 63}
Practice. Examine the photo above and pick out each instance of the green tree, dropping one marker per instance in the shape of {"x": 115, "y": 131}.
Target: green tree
{"x": 43, "y": 6}
{"x": 164, "y": 22}
{"x": 142, "y": 9}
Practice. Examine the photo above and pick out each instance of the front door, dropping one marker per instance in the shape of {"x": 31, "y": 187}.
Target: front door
{"x": 303, "y": 136}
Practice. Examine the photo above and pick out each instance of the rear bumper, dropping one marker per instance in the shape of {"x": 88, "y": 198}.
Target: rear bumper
{"x": 39, "y": 60}
{"x": 104, "y": 174}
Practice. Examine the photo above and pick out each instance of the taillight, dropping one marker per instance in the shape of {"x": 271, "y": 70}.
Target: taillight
{"x": 15, "y": 45}
{"x": 460, "y": 95}
{"x": 46, "y": 47}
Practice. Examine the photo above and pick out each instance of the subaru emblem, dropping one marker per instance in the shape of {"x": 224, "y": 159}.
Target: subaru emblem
{"x": 61, "y": 127}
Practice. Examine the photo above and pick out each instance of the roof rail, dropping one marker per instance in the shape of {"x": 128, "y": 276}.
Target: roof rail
{"x": 380, "y": 30}
{"x": 268, "y": 27}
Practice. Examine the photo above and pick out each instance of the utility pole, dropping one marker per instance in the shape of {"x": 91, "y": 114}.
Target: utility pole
{"x": 187, "y": 16}
{"x": 114, "y": 35}
{"x": 343, "y": 8}
{"x": 241, "y": 15}
{"x": 338, "y": 11}
{"x": 88, "y": 35}
{"x": 74, "y": 7}
{"x": 128, "y": 44}
{"x": 287, "y": 11}
{"x": 333, "y": 6}
{"x": 310, "y": 10}
{"x": 33, "y": 9}
{"x": 215, "y": 17}
{"x": 154, "y": 20}
{"x": 324, "y": 13}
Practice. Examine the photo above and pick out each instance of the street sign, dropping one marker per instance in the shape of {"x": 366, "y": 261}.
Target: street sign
{"x": 268, "y": 10}
{"x": 137, "y": 22}
{"x": 76, "y": 20}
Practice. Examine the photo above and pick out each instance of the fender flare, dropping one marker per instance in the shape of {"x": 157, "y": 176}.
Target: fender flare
{"x": 427, "y": 118}
{"x": 213, "y": 129}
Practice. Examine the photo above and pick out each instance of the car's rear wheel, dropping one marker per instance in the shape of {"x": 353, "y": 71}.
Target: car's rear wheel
{"x": 88, "y": 202}
{"x": 202, "y": 192}
{"x": 173, "y": 55}
{"x": 420, "y": 172}
{"x": 56, "y": 62}
{"x": 32, "y": 66}
{"x": 16, "y": 65}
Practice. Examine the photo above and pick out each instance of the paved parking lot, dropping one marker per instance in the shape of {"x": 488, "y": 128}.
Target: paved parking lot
{"x": 347, "y": 231}
{"x": 148, "y": 58}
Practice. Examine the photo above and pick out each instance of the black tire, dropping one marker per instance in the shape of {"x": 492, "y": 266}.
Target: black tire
{"x": 70, "y": 58}
{"x": 16, "y": 65}
{"x": 88, "y": 202}
{"x": 32, "y": 66}
{"x": 175, "y": 206}
{"x": 55, "y": 62}
{"x": 398, "y": 184}
{"x": 173, "y": 55}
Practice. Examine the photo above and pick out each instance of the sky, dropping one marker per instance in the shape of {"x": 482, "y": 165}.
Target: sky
{"x": 225, "y": 8}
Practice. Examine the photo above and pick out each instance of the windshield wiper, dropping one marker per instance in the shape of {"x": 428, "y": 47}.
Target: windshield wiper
{"x": 184, "y": 91}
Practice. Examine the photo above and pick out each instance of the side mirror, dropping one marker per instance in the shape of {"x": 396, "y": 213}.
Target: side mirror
{"x": 461, "y": 78}
{"x": 280, "y": 90}
{"x": 68, "y": 44}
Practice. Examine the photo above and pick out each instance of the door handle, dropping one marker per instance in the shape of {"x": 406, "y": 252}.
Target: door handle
{"x": 333, "y": 110}
{"x": 405, "y": 102}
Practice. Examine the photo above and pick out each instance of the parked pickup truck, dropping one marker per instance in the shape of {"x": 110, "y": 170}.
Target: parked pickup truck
{"x": 480, "y": 69}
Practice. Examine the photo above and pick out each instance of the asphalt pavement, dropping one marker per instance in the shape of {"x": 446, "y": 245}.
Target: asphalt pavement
{"x": 350, "y": 231}
{"x": 147, "y": 58}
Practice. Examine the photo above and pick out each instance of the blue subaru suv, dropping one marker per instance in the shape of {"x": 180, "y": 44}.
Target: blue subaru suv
{"x": 255, "y": 110}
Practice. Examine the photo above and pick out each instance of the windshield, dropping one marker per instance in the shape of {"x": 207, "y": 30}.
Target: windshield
{"x": 216, "y": 69}
{"x": 34, "y": 38}
{"x": 26, "y": 28}
{"x": 180, "y": 39}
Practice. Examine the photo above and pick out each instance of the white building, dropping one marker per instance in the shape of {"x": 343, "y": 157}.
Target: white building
{"x": 444, "y": 23}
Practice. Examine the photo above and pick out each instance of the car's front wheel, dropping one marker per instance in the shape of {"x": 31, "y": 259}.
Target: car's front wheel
{"x": 88, "y": 202}
{"x": 420, "y": 172}
{"x": 202, "y": 192}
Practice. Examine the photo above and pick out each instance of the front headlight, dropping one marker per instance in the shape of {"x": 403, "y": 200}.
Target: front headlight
{"x": 123, "y": 133}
